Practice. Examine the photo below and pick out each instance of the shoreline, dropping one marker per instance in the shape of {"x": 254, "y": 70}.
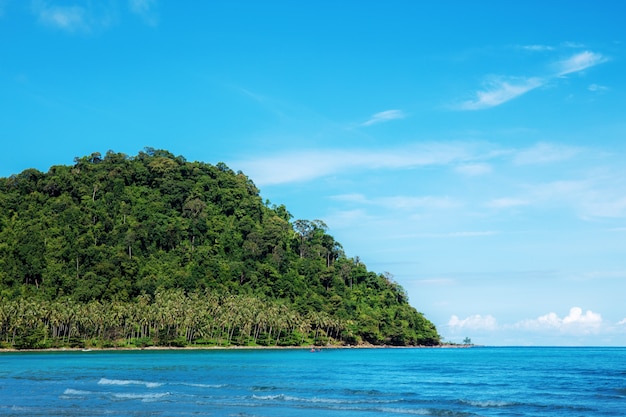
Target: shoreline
{"x": 160, "y": 348}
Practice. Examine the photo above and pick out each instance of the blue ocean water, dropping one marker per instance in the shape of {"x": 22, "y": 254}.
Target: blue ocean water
{"x": 334, "y": 382}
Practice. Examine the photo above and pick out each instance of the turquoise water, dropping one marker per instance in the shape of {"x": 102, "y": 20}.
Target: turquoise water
{"x": 343, "y": 382}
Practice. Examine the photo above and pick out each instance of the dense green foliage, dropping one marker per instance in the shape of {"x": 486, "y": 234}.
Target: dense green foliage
{"x": 160, "y": 250}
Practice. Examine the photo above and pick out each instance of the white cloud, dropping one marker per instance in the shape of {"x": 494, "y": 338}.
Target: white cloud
{"x": 576, "y": 45}
{"x": 576, "y": 316}
{"x": 597, "y": 88}
{"x": 306, "y": 165}
{"x": 475, "y": 322}
{"x": 68, "y": 18}
{"x": 354, "y": 197}
{"x": 543, "y": 153}
{"x": 576, "y": 322}
{"x": 85, "y": 17}
{"x": 622, "y": 322}
{"x": 590, "y": 198}
{"x": 411, "y": 203}
{"x": 473, "y": 170}
{"x": 598, "y": 205}
{"x": 588, "y": 191}
{"x": 546, "y": 329}
{"x": 579, "y": 62}
{"x": 500, "y": 90}
{"x": 537, "y": 48}
{"x": 449, "y": 235}
{"x": 384, "y": 116}
{"x": 347, "y": 218}
{"x": 146, "y": 9}
{"x": 400, "y": 202}
{"x": 571, "y": 191}
{"x": 471, "y": 234}
{"x": 502, "y": 203}
{"x": 436, "y": 281}
{"x": 560, "y": 188}
{"x": 141, "y": 6}
{"x": 600, "y": 275}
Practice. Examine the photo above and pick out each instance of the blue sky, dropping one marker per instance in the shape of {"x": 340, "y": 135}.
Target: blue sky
{"x": 474, "y": 150}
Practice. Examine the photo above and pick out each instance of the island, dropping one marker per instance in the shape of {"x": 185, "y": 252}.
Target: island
{"x": 151, "y": 250}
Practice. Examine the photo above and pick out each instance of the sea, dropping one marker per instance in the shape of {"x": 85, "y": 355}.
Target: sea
{"x": 478, "y": 381}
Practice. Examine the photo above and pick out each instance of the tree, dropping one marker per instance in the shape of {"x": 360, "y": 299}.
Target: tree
{"x": 129, "y": 248}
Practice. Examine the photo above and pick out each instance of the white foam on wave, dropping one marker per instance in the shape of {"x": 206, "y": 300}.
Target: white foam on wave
{"x": 106, "y": 381}
{"x": 318, "y": 400}
{"x": 281, "y": 397}
{"x": 204, "y": 385}
{"x": 418, "y": 411}
{"x": 488, "y": 403}
{"x": 142, "y": 397}
{"x": 76, "y": 392}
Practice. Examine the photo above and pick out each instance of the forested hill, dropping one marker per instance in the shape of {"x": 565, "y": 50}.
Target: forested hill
{"x": 153, "y": 249}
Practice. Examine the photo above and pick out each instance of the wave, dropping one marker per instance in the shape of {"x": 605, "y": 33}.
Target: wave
{"x": 360, "y": 406}
{"x": 189, "y": 384}
{"x": 371, "y": 392}
{"x": 264, "y": 388}
{"x": 489, "y": 403}
{"x": 77, "y": 392}
{"x": 318, "y": 400}
{"x": 283, "y": 397}
{"x": 421, "y": 412}
{"x": 106, "y": 381}
{"x": 142, "y": 397}
{"x": 71, "y": 393}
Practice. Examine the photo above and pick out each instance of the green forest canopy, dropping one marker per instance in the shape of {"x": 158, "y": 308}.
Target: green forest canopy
{"x": 153, "y": 249}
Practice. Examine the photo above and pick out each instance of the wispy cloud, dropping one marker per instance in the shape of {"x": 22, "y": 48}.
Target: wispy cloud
{"x": 543, "y": 153}
{"x": 400, "y": 202}
{"x": 597, "y": 88}
{"x": 350, "y": 217}
{"x": 537, "y": 48}
{"x": 412, "y": 202}
{"x": 589, "y": 189}
{"x": 306, "y": 165}
{"x": 503, "y": 203}
{"x": 67, "y": 18}
{"x": 600, "y": 197}
{"x": 500, "y": 90}
{"x": 435, "y": 281}
{"x": 453, "y": 235}
{"x": 146, "y": 9}
{"x": 579, "y": 62}
{"x": 90, "y": 16}
{"x": 475, "y": 322}
{"x": 573, "y": 45}
{"x": 473, "y": 170}
{"x": 352, "y": 198}
{"x": 85, "y": 17}
{"x": 603, "y": 206}
{"x": 384, "y": 116}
